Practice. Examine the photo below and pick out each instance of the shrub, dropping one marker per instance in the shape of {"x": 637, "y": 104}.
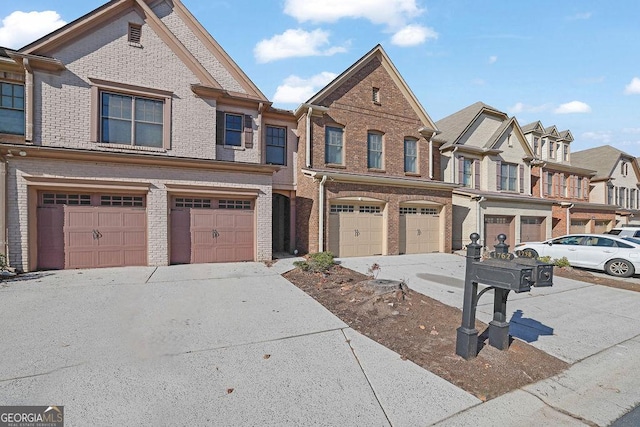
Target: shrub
{"x": 546, "y": 259}
{"x": 319, "y": 262}
{"x": 562, "y": 262}
{"x": 3, "y": 262}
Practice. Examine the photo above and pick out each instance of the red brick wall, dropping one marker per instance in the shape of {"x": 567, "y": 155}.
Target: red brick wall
{"x": 560, "y": 218}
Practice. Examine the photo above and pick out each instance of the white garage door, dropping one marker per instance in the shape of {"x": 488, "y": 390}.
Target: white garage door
{"x": 355, "y": 230}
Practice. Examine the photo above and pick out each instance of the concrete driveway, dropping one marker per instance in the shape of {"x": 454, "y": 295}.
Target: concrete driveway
{"x": 232, "y": 344}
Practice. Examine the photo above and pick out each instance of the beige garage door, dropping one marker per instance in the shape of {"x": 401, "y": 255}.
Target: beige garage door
{"x": 419, "y": 230}
{"x": 355, "y": 230}
{"x": 210, "y": 230}
{"x": 91, "y": 231}
{"x": 578, "y": 226}
{"x": 601, "y": 226}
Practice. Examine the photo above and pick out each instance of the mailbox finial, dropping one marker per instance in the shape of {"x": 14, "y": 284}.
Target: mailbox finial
{"x": 474, "y": 238}
{"x": 501, "y": 238}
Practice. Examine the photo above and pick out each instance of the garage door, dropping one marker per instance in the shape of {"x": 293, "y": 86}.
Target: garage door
{"x": 494, "y": 225}
{"x": 532, "y": 229}
{"x": 355, "y": 230}
{"x": 209, "y": 230}
{"x": 91, "y": 231}
{"x": 578, "y": 226}
{"x": 601, "y": 226}
{"x": 419, "y": 230}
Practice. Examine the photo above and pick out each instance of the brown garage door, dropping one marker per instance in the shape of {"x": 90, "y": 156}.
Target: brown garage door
{"x": 532, "y": 229}
{"x": 494, "y": 225}
{"x": 208, "y": 230}
{"x": 578, "y": 226}
{"x": 355, "y": 230}
{"x": 91, "y": 230}
{"x": 419, "y": 230}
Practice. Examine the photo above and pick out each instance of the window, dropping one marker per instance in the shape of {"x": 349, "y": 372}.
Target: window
{"x": 467, "y": 173}
{"x": 341, "y": 208}
{"x": 563, "y": 184}
{"x": 411, "y": 155}
{"x": 374, "y": 150}
{"x": 66, "y": 199}
{"x": 234, "y": 204}
{"x": 632, "y": 198}
{"x": 508, "y": 177}
{"x": 183, "y": 202}
{"x": 276, "y": 145}
{"x": 333, "y": 145}
{"x": 12, "y": 108}
{"x": 552, "y": 150}
{"x": 536, "y": 146}
{"x": 121, "y": 200}
{"x": 610, "y": 191}
{"x": 624, "y": 168}
{"x": 549, "y": 183}
{"x": 579, "y": 187}
{"x": 131, "y": 120}
{"x": 233, "y": 129}
{"x": 569, "y": 240}
{"x": 369, "y": 209}
{"x": 375, "y": 95}
{"x": 408, "y": 211}
{"x": 565, "y": 152}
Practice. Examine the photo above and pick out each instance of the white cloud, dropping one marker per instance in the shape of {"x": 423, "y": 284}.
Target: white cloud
{"x": 21, "y": 28}
{"x": 478, "y": 82}
{"x": 521, "y": 107}
{"x": 580, "y": 16}
{"x": 600, "y": 136}
{"x": 393, "y": 13}
{"x": 295, "y": 90}
{"x": 573, "y": 107}
{"x": 295, "y": 43}
{"x": 631, "y": 130}
{"x": 412, "y": 35}
{"x": 493, "y": 59}
{"x": 633, "y": 88}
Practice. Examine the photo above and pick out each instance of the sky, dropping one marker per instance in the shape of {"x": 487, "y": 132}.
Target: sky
{"x": 574, "y": 64}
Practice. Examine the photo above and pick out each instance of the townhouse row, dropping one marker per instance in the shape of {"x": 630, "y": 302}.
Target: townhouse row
{"x": 130, "y": 137}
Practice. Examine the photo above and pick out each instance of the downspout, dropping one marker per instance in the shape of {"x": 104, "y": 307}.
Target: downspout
{"x": 431, "y": 157}
{"x": 308, "y": 138}
{"x": 479, "y": 219}
{"x": 321, "y": 214}
{"x": 28, "y": 99}
{"x": 263, "y": 151}
{"x": 4, "y": 244}
{"x": 569, "y": 218}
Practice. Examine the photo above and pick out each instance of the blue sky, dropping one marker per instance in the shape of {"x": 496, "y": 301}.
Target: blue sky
{"x": 571, "y": 63}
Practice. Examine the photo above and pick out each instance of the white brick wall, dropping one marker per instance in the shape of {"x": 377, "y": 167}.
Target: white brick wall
{"x": 157, "y": 200}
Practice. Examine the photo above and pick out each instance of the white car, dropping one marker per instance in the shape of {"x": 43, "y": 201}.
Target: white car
{"x": 615, "y": 255}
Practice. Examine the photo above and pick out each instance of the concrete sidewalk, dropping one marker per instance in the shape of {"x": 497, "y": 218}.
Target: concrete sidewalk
{"x": 236, "y": 344}
{"x": 594, "y": 327}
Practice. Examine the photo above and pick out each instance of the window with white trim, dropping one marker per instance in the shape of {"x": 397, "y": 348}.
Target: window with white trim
{"x": 565, "y": 152}
{"x": 536, "y": 146}
{"x": 369, "y": 209}
{"x": 552, "y": 150}
{"x": 234, "y": 204}
{"x": 404, "y": 210}
{"x": 66, "y": 199}
{"x": 276, "y": 145}
{"x": 467, "y": 173}
{"x": 410, "y": 155}
{"x": 508, "y": 177}
{"x": 117, "y": 200}
{"x": 549, "y": 183}
{"x": 131, "y": 120}
{"x": 11, "y": 108}
{"x": 374, "y": 150}
{"x": 333, "y": 145}
{"x": 189, "y": 202}
{"x": 428, "y": 211}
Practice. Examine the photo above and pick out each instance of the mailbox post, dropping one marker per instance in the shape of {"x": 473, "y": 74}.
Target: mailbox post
{"x": 503, "y": 273}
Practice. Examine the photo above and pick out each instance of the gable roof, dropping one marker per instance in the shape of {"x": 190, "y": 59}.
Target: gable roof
{"x": 454, "y": 126}
{"x": 552, "y": 131}
{"x": 376, "y": 52}
{"x": 46, "y": 45}
{"x": 602, "y": 159}
{"x": 566, "y": 135}
{"x": 533, "y": 127}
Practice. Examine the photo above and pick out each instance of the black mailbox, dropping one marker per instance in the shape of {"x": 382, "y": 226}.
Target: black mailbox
{"x": 504, "y": 275}
{"x": 542, "y": 272}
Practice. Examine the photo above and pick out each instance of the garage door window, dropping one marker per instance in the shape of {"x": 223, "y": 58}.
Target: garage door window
{"x": 66, "y": 199}
{"x": 234, "y": 204}
{"x": 369, "y": 209}
{"x": 111, "y": 200}
{"x": 408, "y": 211}
{"x": 341, "y": 208}
{"x": 182, "y": 202}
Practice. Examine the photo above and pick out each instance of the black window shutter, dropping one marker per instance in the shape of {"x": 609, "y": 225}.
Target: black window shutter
{"x": 498, "y": 175}
{"x": 219, "y": 127}
{"x": 248, "y": 131}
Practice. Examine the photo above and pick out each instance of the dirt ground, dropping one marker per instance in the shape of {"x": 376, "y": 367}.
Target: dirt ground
{"x": 423, "y": 330}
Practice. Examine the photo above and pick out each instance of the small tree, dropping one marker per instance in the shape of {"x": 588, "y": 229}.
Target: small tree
{"x": 319, "y": 262}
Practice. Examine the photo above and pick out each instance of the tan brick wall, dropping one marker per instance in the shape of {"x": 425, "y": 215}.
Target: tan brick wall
{"x": 157, "y": 200}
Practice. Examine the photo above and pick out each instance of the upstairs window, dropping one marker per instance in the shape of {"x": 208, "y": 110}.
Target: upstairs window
{"x": 563, "y": 186}
{"x": 276, "y": 145}
{"x": 12, "y": 108}
{"x": 552, "y": 150}
{"x": 333, "y": 145}
{"x": 467, "y": 173}
{"x": 578, "y": 187}
{"x": 411, "y": 156}
{"x": 536, "y": 146}
{"x": 565, "y": 152}
{"x": 233, "y": 129}
{"x": 549, "y": 183}
{"x": 374, "y": 151}
{"x": 624, "y": 168}
{"x": 508, "y": 177}
{"x": 131, "y": 120}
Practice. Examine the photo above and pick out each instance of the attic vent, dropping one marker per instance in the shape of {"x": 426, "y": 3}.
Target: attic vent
{"x": 375, "y": 95}
{"x": 135, "y": 33}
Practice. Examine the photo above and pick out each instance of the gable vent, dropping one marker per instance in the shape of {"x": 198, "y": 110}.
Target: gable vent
{"x": 135, "y": 33}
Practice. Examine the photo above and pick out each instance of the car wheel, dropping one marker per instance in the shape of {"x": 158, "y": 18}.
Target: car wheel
{"x": 619, "y": 267}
